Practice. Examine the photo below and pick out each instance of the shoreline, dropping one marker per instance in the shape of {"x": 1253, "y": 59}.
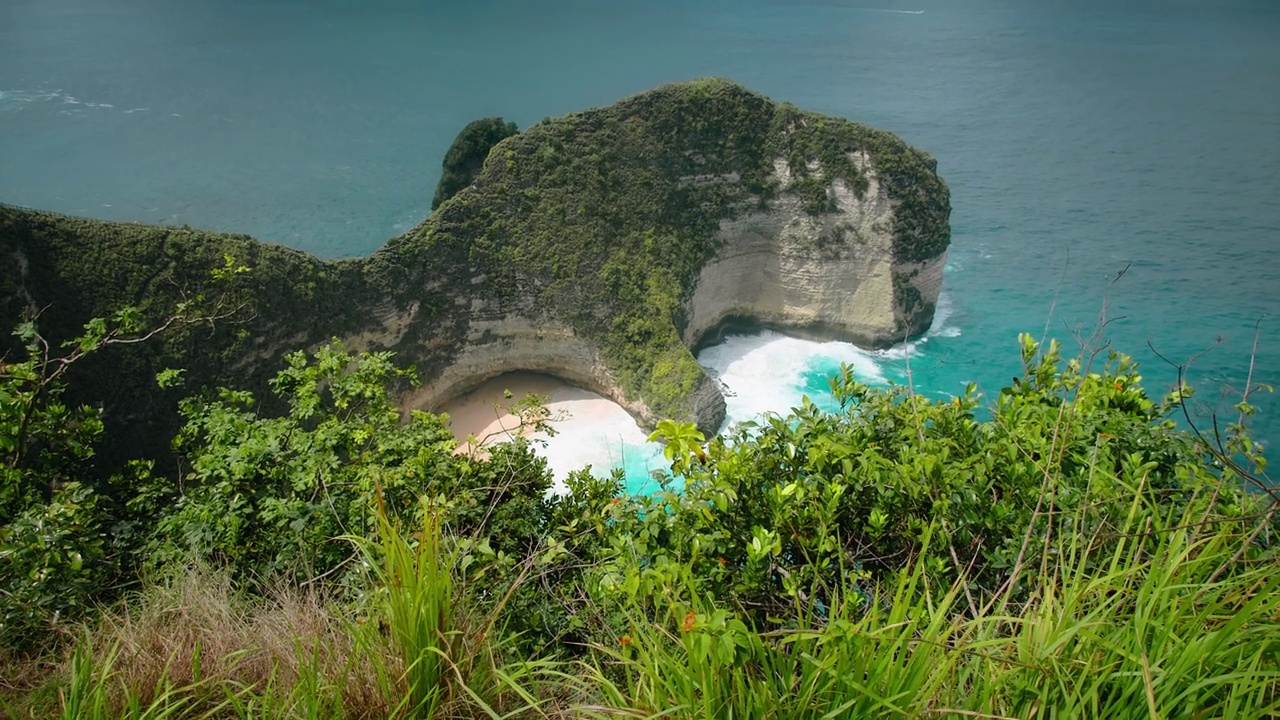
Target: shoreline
{"x": 481, "y": 412}
{"x": 590, "y": 430}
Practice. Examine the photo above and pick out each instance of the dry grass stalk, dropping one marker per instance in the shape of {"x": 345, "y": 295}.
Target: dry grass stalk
{"x": 196, "y": 629}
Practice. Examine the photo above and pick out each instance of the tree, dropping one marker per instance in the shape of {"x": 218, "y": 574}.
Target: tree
{"x": 466, "y": 156}
{"x": 67, "y": 536}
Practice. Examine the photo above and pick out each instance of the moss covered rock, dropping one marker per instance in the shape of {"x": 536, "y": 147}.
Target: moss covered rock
{"x": 603, "y": 247}
{"x": 465, "y": 158}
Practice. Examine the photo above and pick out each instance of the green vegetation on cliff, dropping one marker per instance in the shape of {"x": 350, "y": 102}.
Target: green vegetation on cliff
{"x": 465, "y": 158}
{"x": 68, "y": 270}
{"x": 598, "y": 221}
{"x": 602, "y": 219}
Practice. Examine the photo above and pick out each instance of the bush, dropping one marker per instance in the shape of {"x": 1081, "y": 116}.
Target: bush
{"x": 896, "y": 557}
{"x": 466, "y": 156}
{"x": 782, "y": 515}
{"x": 68, "y": 536}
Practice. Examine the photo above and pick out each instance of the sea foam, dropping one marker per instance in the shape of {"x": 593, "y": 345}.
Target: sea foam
{"x": 771, "y": 372}
{"x": 762, "y": 373}
{"x": 593, "y": 431}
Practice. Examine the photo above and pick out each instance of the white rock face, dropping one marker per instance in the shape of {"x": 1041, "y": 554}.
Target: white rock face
{"x": 830, "y": 275}
{"x": 517, "y": 343}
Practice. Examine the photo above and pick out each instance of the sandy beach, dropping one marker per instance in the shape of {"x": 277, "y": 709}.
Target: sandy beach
{"x": 482, "y": 412}
{"x": 590, "y": 430}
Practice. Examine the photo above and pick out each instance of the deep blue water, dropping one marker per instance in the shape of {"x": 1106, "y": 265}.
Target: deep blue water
{"x": 1078, "y": 138}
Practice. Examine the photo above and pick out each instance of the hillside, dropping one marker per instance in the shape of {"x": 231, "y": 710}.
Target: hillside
{"x": 602, "y": 247}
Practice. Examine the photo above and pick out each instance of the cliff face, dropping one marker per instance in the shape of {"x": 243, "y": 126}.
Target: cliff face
{"x": 602, "y": 247}
{"x": 513, "y": 343}
{"x": 831, "y": 275}
{"x": 606, "y": 246}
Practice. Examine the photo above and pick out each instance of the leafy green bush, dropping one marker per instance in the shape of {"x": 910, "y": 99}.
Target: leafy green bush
{"x": 776, "y": 519}
{"x": 54, "y": 557}
{"x": 68, "y": 535}
{"x": 1074, "y": 554}
{"x": 467, "y": 154}
{"x": 270, "y": 495}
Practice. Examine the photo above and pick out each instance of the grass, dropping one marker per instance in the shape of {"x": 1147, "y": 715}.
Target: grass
{"x": 1157, "y": 611}
{"x": 193, "y": 647}
{"x": 193, "y": 643}
{"x": 447, "y": 664}
{"x": 861, "y": 661}
{"x": 1168, "y": 624}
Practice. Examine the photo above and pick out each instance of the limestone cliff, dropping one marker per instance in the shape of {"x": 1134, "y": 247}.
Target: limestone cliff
{"x": 833, "y": 275}
{"x": 602, "y": 247}
{"x": 605, "y": 246}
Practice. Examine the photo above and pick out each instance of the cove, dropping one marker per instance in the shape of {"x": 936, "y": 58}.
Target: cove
{"x": 762, "y": 372}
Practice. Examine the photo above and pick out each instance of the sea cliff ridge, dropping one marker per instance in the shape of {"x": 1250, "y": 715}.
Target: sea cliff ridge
{"x": 603, "y": 247}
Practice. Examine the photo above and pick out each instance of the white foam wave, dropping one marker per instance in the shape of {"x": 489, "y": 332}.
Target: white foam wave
{"x": 24, "y": 96}
{"x": 941, "y": 314}
{"x": 31, "y": 96}
{"x": 591, "y": 430}
{"x": 766, "y": 372}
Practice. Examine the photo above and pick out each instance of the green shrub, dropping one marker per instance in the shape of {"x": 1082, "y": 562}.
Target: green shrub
{"x": 780, "y": 515}
{"x": 1074, "y": 554}
{"x": 68, "y": 534}
{"x": 467, "y": 154}
{"x": 271, "y": 495}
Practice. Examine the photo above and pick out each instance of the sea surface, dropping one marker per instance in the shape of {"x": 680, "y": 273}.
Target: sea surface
{"x": 1109, "y": 161}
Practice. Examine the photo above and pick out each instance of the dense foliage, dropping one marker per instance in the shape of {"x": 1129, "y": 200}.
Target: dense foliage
{"x": 68, "y": 532}
{"x": 782, "y": 513}
{"x": 269, "y": 496}
{"x": 71, "y": 270}
{"x": 951, "y": 561}
{"x": 466, "y": 155}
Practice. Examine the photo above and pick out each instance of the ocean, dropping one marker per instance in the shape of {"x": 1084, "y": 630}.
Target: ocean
{"x": 1115, "y": 161}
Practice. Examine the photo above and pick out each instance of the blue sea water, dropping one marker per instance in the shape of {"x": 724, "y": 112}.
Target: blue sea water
{"x": 1078, "y": 138}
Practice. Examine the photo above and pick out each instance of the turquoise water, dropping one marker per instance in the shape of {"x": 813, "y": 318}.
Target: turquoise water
{"x": 1078, "y": 138}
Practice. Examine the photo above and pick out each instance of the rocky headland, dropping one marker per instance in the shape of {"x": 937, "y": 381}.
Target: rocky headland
{"x": 603, "y": 247}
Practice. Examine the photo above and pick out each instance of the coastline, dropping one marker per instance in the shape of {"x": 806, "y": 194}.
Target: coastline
{"x": 589, "y": 428}
{"x": 481, "y": 413}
